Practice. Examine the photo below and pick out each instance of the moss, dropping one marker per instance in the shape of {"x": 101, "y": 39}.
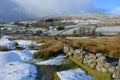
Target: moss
{"x": 15, "y": 44}
{"x": 98, "y": 75}
{"x": 19, "y": 48}
{"x": 56, "y": 77}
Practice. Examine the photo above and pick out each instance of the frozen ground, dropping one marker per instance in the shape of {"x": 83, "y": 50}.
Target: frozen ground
{"x": 13, "y": 64}
{"x": 74, "y": 74}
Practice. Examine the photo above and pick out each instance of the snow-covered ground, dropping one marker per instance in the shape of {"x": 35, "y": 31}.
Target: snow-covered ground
{"x": 74, "y": 74}
{"x": 22, "y": 43}
{"x": 13, "y": 64}
{"x": 112, "y": 29}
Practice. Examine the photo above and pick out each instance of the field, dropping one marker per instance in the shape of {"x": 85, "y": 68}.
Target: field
{"x": 50, "y": 48}
{"x": 109, "y": 46}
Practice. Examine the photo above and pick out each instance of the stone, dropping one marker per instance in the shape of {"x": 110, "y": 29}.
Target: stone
{"x": 93, "y": 65}
{"x": 107, "y": 65}
{"x": 90, "y": 61}
{"x": 98, "y": 68}
{"x": 116, "y": 67}
{"x": 86, "y": 55}
{"x": 111, "y": 69}
{"x": 101, "y": 68}
{"x": 114, "y": 75}
{"x": 98, "y": 55}
{"x": 101, "y": 59}
{"x": 77, "y": 51}
{"x": 92, "y": 56}
{"x": 101, "y": 63}
{"x": 85, "y": 61}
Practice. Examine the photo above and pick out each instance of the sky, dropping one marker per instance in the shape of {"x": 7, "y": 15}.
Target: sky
{"x": 12, "y": 10}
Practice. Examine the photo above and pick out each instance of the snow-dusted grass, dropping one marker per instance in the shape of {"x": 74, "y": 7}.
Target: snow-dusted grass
{"x": 74, "y": 74}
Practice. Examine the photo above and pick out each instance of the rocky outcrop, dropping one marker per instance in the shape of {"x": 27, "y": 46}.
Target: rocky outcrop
{"x": 95, "y": 61}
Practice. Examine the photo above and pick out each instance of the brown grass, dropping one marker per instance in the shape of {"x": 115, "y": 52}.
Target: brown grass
{"x": 108, "y": 46}
{"x": 51, "y": 47}
{"x": 95, "y": 73}
{"x": 3, "y": 48}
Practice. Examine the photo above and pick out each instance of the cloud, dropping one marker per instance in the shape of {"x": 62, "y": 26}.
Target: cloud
{"x": 11, "y": 10}
{"x": 116, "y": 10}
{"x": 49, "y": 7}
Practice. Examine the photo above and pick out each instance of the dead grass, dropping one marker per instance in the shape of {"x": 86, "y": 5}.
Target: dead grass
{"x": 3, "y": 48}
{"x": 51, "y": 47}
{"x": 93, "y": 72}
{"x": 108, "y": 46}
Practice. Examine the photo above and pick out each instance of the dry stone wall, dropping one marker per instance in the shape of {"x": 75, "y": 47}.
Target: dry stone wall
{"x": 96, "y": 61}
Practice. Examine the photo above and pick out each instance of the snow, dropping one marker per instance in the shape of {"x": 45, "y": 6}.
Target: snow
{"x": 22, "y": 43}
{"x": 111, "y": 29}
{"x": 77, "y": 38}
{"x": 13, "y": 64}
{"x": 5, "y": 42}
{"x": 75, "y": 21}
{"x": 54, "y": 61}
{"x": 74, "y": 74}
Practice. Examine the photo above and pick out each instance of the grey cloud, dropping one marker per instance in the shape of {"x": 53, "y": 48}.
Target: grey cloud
{"x": 11, "y": 10}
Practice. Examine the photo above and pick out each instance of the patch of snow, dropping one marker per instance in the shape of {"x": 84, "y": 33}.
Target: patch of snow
{"x": 75, "y": 21}
{"x": 33, "y": 51}
{"x": 17, "y": 71}
{"x": 75, "y": 74}
{"x": 13, "y": 66}
{"x": 5, "y": 42}
{"x": 112, "y": 29}
{"x": 54, "y": 61}
{"x": 77, "y": 38}
{"x": 24, "y": 43}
